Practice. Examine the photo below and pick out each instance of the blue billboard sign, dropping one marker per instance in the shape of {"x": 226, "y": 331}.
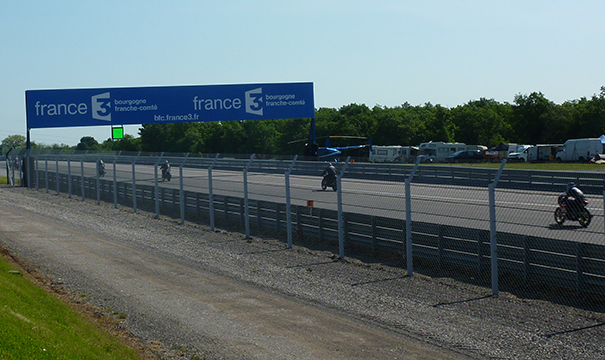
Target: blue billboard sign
{"x": 168, "y": 104}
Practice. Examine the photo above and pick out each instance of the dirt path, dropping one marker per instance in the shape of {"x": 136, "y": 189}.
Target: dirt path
{"x": 183, "y": 303}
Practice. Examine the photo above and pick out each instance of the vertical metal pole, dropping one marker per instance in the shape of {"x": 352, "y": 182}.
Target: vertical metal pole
{"x": 341, "y": 227}
{"x": 82, "y": 178}
{"x": 57, "y": 176}
{"x": 37, "y": 175}
{"x": 115, "y": 185}
{"x": 288, "y": 214}
{"x": 181, "y": 194}
{"x": 98, "y": 178}
{"x": 288, "y": 204}
{"x": 246, "y": 208}
{"x": 134, "y": 188}
{"x": 46, "y": 171}
{"x": 69, "y": 176}
{"x": 210, "y": 193}
{"x": 20, "y": 162}
{"x": 210, "y": 199}
{"x": 493, "y": 238}
{"x": 408, "y": 227}
{"x": 28, "y": 167}
{"x": 492, "y": 229}
{"x": 409, "y": 248}
{"x": 246, "y": 213}
{"x": 157, "y": 190}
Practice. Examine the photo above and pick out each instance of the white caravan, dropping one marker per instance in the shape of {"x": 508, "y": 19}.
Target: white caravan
{"x": 393, "y": 153}
{"x": 579, "y": 149}
{"x": 438, "y": 151}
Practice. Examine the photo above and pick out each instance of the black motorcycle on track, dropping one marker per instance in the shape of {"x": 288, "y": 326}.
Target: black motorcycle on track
{"x": 166, "y": 175}
{"x": 574, "y": 210}
{"x": 329, "y": 181}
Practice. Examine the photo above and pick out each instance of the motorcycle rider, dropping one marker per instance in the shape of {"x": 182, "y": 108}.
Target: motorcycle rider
{"x": 575, "y": 196}
{"x": 329, "y": 172}
{"x": 165, "y": 168}
{"x": 101, "y": 167}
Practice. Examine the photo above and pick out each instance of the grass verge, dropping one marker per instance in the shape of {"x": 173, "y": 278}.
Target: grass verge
{"x": 36, "y": 324}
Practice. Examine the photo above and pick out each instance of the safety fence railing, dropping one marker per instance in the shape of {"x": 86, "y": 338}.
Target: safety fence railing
{"x": 539, "y": 180}
{"x": 476, "y": 228}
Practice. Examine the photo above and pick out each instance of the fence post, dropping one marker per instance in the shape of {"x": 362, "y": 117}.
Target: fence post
{"x": 57, "y": 171}
{"x": 246, "y": 210}
{"x": 69, "y": 177}
{"x": 288, "y": 203}
{"x": 115, "y": 184}
{"x": 181, "y": 194}
{"x": 408, "y": 220}
{"x": 492, "y": 229}
{"x": 134, "y": 187}
{"x": 82, "y": 177}
{"x": 38, "y": 175}
{"x": 156, "y": 187}
{"x": 341, "y": 235}
{"x": 98, "y": 178}
{"x": 210, "y": 193}
{"x": 45, "y": 170}
{"x": 28, "y": 175}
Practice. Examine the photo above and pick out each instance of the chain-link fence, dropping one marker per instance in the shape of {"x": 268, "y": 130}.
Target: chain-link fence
{"x": 493, "y": 227}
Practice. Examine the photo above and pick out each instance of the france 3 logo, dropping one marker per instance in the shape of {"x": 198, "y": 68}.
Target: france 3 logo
{"x": 254, "y": 101}
{"x": 101, "y": 106}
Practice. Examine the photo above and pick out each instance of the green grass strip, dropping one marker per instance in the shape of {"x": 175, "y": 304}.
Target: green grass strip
{"x": 37, "y": 325}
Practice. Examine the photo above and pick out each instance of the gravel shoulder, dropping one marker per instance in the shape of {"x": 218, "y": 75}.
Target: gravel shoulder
{"x": 197, "y": 294}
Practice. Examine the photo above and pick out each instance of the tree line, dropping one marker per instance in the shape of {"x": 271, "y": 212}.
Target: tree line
{"x": 530, "y": 119}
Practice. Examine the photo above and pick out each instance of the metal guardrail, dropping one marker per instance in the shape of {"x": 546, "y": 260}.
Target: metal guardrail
{"x": 537, "y": 180}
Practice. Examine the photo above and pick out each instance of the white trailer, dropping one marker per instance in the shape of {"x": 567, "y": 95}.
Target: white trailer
{"x": 579, "y": 149}
{"x": 393, "y": 153}
{"x": 438, "y": 151}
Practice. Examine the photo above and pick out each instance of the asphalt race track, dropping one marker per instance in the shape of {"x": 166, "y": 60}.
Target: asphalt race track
{"x": 517, "y": 211}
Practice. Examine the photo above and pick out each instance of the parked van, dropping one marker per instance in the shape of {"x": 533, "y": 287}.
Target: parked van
{"x": 579, "y": 149}
{"x": 438, "y": 151}
{"x": 520, "y": 154}
{"x": 543, "y": 152}
{"x": 393, "y": 153}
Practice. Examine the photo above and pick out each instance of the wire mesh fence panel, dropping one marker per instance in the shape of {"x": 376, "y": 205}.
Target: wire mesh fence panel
{"x": 450, "y": 230}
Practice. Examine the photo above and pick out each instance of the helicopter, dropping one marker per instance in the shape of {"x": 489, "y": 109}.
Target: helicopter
{"x": 328, "y": 152}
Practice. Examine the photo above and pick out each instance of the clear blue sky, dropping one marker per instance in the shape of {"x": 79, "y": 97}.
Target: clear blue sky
{"x": 364, "y": 52}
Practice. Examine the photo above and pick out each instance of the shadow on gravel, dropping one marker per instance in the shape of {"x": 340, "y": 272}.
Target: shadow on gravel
{"x": 463, "y": 301}
{"x": 312, "y": 264}
{"x": 573, "y": 330}
{"x": 381, "y": 280}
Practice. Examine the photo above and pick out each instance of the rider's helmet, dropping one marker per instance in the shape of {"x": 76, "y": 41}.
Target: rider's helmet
{"x": 570, "y": 185}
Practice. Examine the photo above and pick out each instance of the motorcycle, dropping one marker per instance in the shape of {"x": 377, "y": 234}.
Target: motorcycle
{"x": 101, "y": 169}
{"x": 166, "y": 174}
{"x": 328, "y": 181}
{"x": 574, "y": 210}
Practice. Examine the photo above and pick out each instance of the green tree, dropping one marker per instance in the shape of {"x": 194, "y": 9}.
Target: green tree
{"x": 532, "y": 114}
{"x": 13, "y": 141}
{"x": 87, "y": 143}
{"x": 154, "y": 137}
{"x": 483, "y": 122}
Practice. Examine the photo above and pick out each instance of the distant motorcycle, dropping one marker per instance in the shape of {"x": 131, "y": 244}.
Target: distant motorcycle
{"x": 166, "y": 175}
{"x": 328, "y": 181}
{"x": 101, "y": 168}
{"x": 574, "y": 210}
